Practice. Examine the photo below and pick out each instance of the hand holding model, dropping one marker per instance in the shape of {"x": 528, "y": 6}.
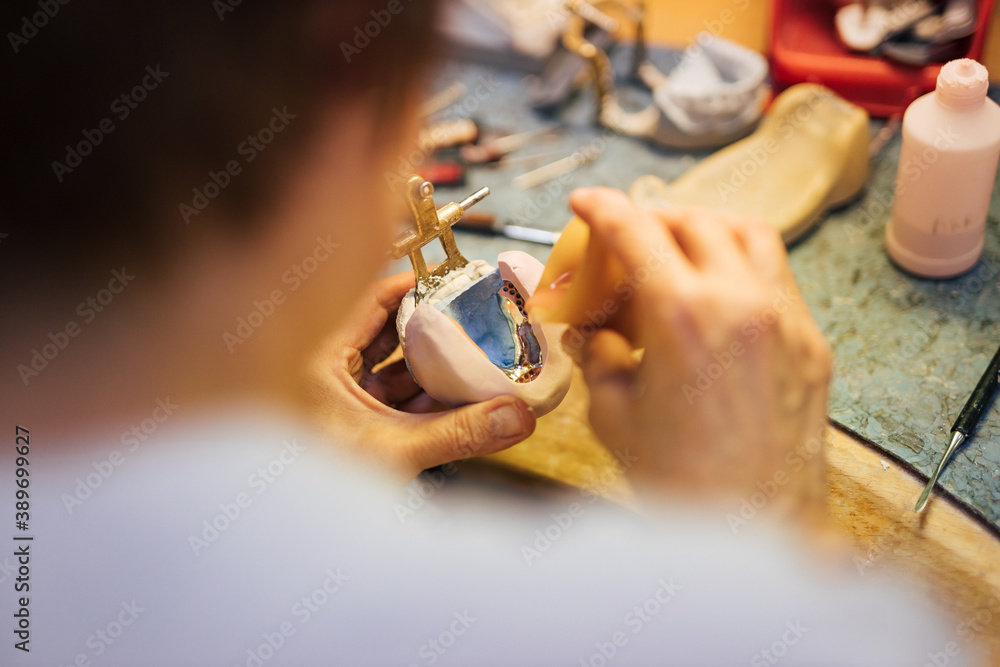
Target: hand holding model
{"x": 730, "y": 391}
{"x": 732, "y": 386}
{"x": 384, "y": 414}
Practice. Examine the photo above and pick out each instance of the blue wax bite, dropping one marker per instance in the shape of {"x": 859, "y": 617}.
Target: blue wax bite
{"x": 491, "y": 312}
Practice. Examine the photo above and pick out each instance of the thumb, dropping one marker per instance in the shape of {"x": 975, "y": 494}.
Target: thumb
{"x": 473, "y": 430}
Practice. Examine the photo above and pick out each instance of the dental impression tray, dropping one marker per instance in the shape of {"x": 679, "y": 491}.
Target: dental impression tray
{"x": 466, "y": 334}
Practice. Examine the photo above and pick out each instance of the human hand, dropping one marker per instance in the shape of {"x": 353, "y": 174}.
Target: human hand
{"x": 733, "y": 381}
{"x": 384, "y": 415}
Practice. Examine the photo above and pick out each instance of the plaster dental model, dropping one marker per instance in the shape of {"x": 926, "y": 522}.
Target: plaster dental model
{"x": 864, "y": 28}
{"x": 935, "y": 38}
{"x": 958, "y": 20}
{"x": 465, "y": 332}
{"x": 714, "y": 95}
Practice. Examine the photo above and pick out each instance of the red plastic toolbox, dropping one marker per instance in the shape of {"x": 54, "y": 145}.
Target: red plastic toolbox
{"x": 805, "y": 47}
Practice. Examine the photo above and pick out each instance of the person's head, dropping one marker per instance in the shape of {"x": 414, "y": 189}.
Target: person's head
{"x": 141, "y": 133}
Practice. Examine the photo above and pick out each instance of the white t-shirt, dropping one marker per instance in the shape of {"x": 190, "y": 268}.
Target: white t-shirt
{"x": 241, "y": 541}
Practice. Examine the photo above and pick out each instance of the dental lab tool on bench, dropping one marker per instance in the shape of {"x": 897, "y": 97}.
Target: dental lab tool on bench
{"x": 485, "y": 223}
{"x": 963, "y": 427}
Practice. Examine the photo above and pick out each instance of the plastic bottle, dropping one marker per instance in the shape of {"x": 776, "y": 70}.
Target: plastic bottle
{"x": 951, "y": 142}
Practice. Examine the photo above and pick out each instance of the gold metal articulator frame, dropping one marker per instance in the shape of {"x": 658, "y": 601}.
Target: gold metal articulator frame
{"x": 609, "y": 112}
{"x": 429, "y": 223}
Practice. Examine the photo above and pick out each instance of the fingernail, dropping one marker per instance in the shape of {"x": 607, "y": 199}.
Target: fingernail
{"x": 507, "y": 421}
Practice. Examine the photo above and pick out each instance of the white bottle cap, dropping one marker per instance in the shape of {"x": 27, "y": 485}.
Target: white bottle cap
{"x": 962, "y": 83}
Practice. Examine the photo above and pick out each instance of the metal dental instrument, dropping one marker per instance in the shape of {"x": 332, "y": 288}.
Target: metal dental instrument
{"x": 485, "y": 222}
{"x": 963, "y": 427}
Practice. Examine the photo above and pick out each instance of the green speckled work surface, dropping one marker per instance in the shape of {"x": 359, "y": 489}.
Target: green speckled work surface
{"x": 908, "y": 351}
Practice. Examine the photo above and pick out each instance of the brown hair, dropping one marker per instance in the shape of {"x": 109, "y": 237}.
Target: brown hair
{"x": 117, "y": 111}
